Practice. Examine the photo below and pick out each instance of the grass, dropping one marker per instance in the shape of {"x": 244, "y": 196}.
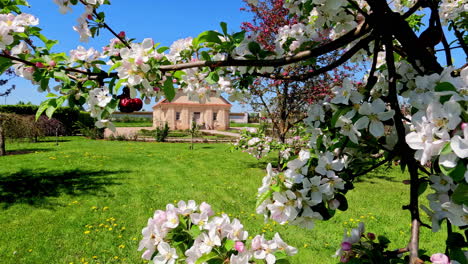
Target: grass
{"x": 233, "y": 124}
{"x": 133, "y": 124}
{"x": 87, "y": 201}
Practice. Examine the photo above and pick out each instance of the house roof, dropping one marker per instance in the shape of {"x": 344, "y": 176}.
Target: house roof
{"x": 182, "y": 99}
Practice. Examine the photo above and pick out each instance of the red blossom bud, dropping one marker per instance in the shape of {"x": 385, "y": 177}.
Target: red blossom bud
{"x": 90, "y": 17}
{"x": 121, "y": 34}
{"x": 40, "y": 65}
{"x": 52, "y": 63}
{"x": 371, "y": 236}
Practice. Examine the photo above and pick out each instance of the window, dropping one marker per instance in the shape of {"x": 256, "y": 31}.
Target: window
{"x": 177, "y": 116}
{"x": 215, "y": 116}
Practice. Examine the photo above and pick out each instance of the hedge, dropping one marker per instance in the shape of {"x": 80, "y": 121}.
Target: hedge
{"x": 67, "y": 115}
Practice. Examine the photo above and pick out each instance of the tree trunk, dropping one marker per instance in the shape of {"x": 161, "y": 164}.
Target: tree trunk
{"x": 2, "y": 140}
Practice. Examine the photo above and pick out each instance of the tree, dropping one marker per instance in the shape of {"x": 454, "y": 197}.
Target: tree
{"x": 3, "y": 119}
{"x": 356, "y": 130}
{"x": 284, "y": 101}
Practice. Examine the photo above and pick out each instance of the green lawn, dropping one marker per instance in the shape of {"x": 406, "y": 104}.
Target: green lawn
{"x": 87, "y": 201}
{"x": 233, "y": 124}
{"x": 133, "y": 124}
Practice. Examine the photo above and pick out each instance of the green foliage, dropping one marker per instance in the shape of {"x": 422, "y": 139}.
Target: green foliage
{"x": 160, "y": 133}
{"x": 66, "y": 115}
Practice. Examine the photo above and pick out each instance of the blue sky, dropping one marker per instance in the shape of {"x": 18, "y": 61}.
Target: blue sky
{"x": 164, "y": 21}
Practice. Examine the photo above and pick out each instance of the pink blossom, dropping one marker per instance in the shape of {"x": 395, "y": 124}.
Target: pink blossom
{"x": 239, "y": 246}
{"x": 346, "y": 246}
{"x": 440, "y": 258}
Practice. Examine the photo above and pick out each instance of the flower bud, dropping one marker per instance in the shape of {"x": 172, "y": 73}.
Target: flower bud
{"x": 239, "y": 246}
{"x": 40, "y": 65}
{"x": 121, "y": 34}
{"x": 52, "y": 63}
{"x": 346, "y": 246}
{"x": 371, "y": 236}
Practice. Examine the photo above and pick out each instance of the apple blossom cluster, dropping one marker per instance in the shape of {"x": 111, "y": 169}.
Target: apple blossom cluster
{"x": 256, "y": 143}
{"x": 192, "y": 234}
{"x": 452, "y": 10}
{"x": 11, "y": 24}
{"x": 295, "y": 197}
{"x": 357, "y": 245}
{"x": 326, "y": 14}
{"x": 442, "y": 205}
{"x": 290, "y": 38}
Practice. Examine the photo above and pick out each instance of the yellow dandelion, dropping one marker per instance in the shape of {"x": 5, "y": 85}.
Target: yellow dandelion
{"x": 29, "y": 250}
{"x": 120, "y": 236}
{"x": 121, "y": 246}
{"x": 123, "y": 228}
{"x": 305, "y": 245}
{"x": 94, "y": 257}
{"x": 87, "y": 232}
{"x": 345, "y": 223}
{"x": 116, "y": 257}
{"x": 110, "y": 229}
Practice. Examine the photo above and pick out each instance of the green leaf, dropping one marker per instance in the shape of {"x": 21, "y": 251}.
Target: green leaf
{"x": 116, "y": 65}
{"x": 195, "y": 231}
{"x": 254, "y": 47}
{"x": 205, "y": 56}
{"x": 224, "y": 27}
{"x": 212, "y": 78}
{"x": 456, "y": 173}
{"x": 337, "y": 115}
{"x": 384, "y": 241}
{"x": 444, "y": 87}
{"x": 456, "y": 240}
{"x": 44, "y": 83}
{"x": 343, "y": 202}
{"x": 162, "y": 49}
{"x": 206, "y": 257}
{"x": 458, "y": 255}
{"x": 62, "y": 76}
{"x": 52, "y": 107}
{"x": 168, "y": 88}
{"x": 422, "y": 187}
{"x": 238, "y": 37}
{"x": 4, "y": 64}
{"x": 119, "y": 83}
{"x": 460, "y": 195}
{"x": 263, "y": 197}
{"x": 51, "y": 95}
{"x": 229, "y": 245}
{"x": 209, "y": 36}
{"x": 42, "y": 107}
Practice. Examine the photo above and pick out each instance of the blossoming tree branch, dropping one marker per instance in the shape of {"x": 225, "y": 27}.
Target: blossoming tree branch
{"x": 409, "y": 109}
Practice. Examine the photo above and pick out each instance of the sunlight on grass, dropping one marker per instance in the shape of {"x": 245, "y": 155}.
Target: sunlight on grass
{"x": 86, "y": 201}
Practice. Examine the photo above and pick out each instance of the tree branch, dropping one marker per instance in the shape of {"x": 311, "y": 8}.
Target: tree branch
{"x": 349, "y": 37}
{"x": 350, "y": 53}
{"x": 104, "y": 24}
{"x": 407, "y": 153}
{"x": 459, "y": 36}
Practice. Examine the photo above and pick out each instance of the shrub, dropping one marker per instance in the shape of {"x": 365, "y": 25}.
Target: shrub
{"x": 160, "y": 133}
{"x": 89, "y": 132}
{"x": 66, "y": 115}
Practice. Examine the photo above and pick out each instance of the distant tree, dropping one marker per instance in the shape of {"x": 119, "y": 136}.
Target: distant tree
{"x": 5, "y": 93}
{"x": 286, "y": 102}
